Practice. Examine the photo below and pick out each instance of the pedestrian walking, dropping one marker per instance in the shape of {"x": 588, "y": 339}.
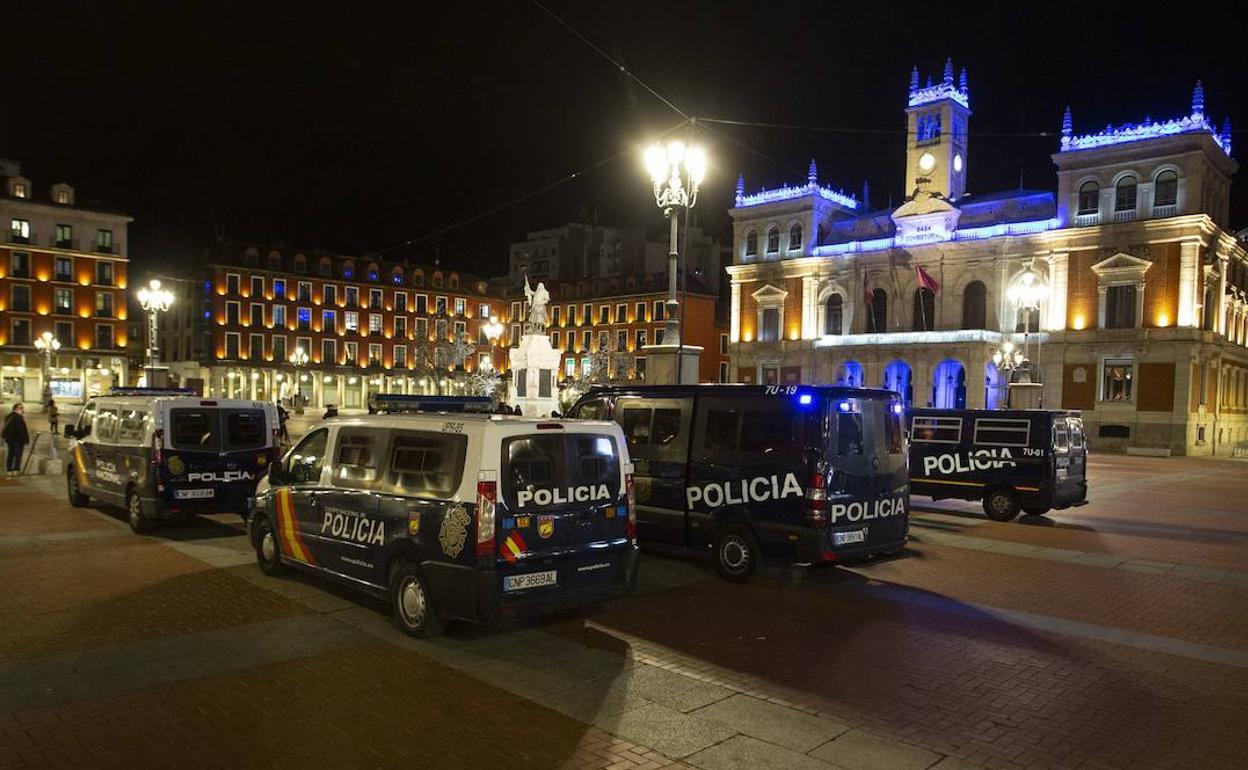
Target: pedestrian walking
{"x": 16, "y": 437}
{"x": 282, "y": 414}
{"x": 54, "y": 417}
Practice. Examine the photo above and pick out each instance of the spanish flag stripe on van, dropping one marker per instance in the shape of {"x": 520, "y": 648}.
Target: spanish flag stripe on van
{"x": 80, "y": 468}
{"x": 288, "y": 527}
{"x": 513, "y": 547}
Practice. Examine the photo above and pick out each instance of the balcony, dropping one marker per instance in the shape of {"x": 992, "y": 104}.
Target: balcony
{"x": 69, "y": 244}
{"x": 1087, "y": 220}
{"x": 15, "y": 237}
{"x": 1125, "y": 215}
{"x": 1168, "y": 210}
{"x": 104, "y": 248}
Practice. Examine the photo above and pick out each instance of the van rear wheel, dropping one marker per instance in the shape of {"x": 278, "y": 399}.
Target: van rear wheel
{"x": 736, "y": 554}
{"x": 1001, "y": 504}
{"x": 411, "y": 604}
{"x": 139, "y": 523}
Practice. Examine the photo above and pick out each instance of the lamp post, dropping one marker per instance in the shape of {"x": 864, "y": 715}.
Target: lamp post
{"x": 154, "y": 300}
{"x": 677, "y": 173}
{"x": 1027, "y": 294}
{"x": 299, "y": 360}
{"x": 47, "y": 344}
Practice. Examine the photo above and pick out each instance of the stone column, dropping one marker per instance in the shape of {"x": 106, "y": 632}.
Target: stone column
{"x": 734, "y": 313}
{"x": 1189, "y": 283}
{"x": 1219, "y": 320}
{"x": 808, "y": 307}
{"x": 1059, "y": 269}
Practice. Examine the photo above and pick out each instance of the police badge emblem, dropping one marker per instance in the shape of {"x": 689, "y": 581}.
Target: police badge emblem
{"x": 176, "y": 466}
{"x": 454, "y": 531}
{"x": 545, "y": 526}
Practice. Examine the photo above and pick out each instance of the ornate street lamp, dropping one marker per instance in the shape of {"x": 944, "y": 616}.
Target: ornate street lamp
{"x": 47, "y": 344}
{"x": 299, "y": 360}
{"x": 1026, "y": 294}
{"x": 677, "y": 173}
{"x": 154, "y": 300}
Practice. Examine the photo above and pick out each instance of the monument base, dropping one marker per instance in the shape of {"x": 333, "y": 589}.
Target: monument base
{"x": 1023, "y": 395}
{"x": 672, "y": 364}
{"x": 534, "y": 367}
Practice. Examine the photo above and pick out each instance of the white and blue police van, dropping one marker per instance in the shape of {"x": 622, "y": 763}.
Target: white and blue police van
{"x": 167, "y": 453}
{"x": 452, "y": 512}
{"x": 787, "y": 474}
{"x": 1012, "y": 460}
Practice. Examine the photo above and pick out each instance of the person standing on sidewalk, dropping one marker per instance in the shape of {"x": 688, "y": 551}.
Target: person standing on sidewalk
{"x": 54, "y": 417}
{"x": 16, "y": 437}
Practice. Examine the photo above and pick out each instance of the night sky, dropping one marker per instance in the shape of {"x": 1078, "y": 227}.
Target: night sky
{"x": 356, "y": 130}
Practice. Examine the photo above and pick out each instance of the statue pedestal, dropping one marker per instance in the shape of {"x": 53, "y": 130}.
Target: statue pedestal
{"x": 534, "y": 368}
{"x": 664, "y": 361}
{"x": 1023, "y": 395}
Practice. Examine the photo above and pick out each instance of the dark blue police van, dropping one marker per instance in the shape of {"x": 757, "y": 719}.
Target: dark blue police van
{"x": 1014, "y": 459}
{"x": 795, "y": 474}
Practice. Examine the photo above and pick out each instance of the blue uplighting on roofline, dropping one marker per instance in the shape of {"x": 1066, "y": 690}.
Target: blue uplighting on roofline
{"x": 966, "y": 234}
{"x": 945, "y": 89}
{"x": 785, "y": 193}
{"x": 1195, "y": 122}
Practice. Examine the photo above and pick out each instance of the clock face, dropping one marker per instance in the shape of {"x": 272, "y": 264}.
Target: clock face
{"x": 927, "y": 162}
{"x": 957, "y": 163}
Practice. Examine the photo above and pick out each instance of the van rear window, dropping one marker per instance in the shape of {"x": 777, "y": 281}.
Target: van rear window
{"x": 936, "y": 430}
{"x": 194, "y": 429}
{"x": 244, "y": 429}
{"x": 557, "y": 462}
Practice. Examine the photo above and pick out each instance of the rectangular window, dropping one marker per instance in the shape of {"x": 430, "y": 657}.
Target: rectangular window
{"x": 639, "y": 339}
{"x": 400, "y": 302}
{"x": 723, "y": 371}
{"x": 1120, "y": 304}
{"x": 400, "y": 356}
{"x": 279, "y": 316}
{"x": 279, "y": 288}
{"x": 439, "y": 307}
{"x": 770, "y": 330}
{"x": 639, "y": 312}
{"x": 723, "y": 344}
{"x": 64, "y": 237}
{"x": 461, "y": 329}
{"x": 255, "y": 347}
{"x": 19, "y": 299}
{"x": 587, "y": 314}
{"x": 19, "y": 264}
{"x": 461, "y": 306}
{"x": 515, "y": 311}
{"x": 351, "y": 321}
{"x": 571, "y": 315}
{"x": 936, "y": 430}
{"x": 352, "y": 294}
{"x": 305, "y": 291}
{"x": 257, "y": 286}
{"x": 374, "y": 355}
{"x": 999, "y": 432}
{"x": 21, "y": 332}
{"x": 422, "y": 304}
{"x": 425, "y": 464}
{"x": 103, "y": 304}
{"x": 64, "y": 332}
{"x": 639, "y": 366}
{"x": 621, "y": 340}
{"x": 484, "y": 311}
{"x": 232, "y": 284}
{"x": 515, "y": 334}
{"x": 658, "y": 310}
{"x": 422, "y": 329}
{"x": 64, "y": 269}
{"x": 587, "y": 340}
{"x": 658, "y": 336}
{"x": 400, "y": 327}
{"x": 106, "y": 426}
{"x": 351, "y": 354}
{"x": 554, "y": 340}
{"x": 374, "y": 324}
{"x": 374, "y": 299}
{"x": 569, "y": 367}
{"x": 304, "y": 319}
{"x": 256, "y": 315}
{"x": 279, "y": 348}
{"x": 604, "y": 314}
{"x": 621, "y": 313}
{"x": 104, "y": 273}
{"x": 1117, "y": 379}
{"x": 358, "y": 456}
{"x": 329, "y": 294}
{"x": 554, "y": 315}
{"x": 557, "y": 461}
{"x": 329, "y": 352}
{"x": 233, "y": 343}
{"x": 604, "y": 341}
{"x": 19, "y": 230}
{"x": 104, "y": 241}
{"x": 440, "y": 329}
{"x": 329, "y": 321}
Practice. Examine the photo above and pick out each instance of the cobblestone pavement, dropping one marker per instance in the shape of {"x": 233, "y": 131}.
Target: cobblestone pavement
{"x": 1111, "y": 635}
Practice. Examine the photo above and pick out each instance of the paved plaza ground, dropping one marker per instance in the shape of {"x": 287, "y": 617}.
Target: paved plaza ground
{"x": 1113, "y": 635}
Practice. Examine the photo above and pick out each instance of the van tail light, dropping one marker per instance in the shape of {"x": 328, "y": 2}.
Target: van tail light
{"x": 487, "y": 500}
{"x": 630, "y": 524}
{"x": 158, "y": 446}
{"x": 817, "y": 499}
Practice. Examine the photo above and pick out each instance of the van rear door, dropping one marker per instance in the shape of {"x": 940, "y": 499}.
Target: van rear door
{"x": 1070, "y": 456}
{"x": 868, "y": 488}
{"x": 216, "y": 454}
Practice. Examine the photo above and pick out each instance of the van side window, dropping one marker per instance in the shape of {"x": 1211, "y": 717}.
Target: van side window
{"x": 848, "y": 433}
{"x": 1061, "y": 436}
{"x": 304, "y": 463}
{"x": 130, "y": 429}
{"x": 721, "y": 430}
{"x": 356, "y": 462}
{"x": 106, "y": 426}
{"x": 656, "y": 429}
{"x": 593, "y": 410}
{"x": 1076, "y": 432}
{"x": 765, "y": 432}
{"x": 635, "y": 421}
{"x": 426, "y": 464}
{"x": 999, "y": 432}
{"x": 666, "y": 426}
{"x": 936, "y": 430}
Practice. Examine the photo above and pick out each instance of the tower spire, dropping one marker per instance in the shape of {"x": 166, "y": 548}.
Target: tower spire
{"x": 812, "y": 173}
{"x": 1198, "y": 99}
{"x": 866, "y": 195}
{"x": 1068, "y": 127}
{"x": 962, "y": 82}
{"x": 740, "y": 187}
{"x": 949, "y": 71}
{"x": 914, "y": 79}
{"x": 1226, "y": 134}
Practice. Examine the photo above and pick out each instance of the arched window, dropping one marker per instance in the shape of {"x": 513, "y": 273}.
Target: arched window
{"x": 795, "y": 237}
{"x": 834, "y": 315}
{"x": 418, "y": 278}
{"x": 877, "y": 315}
{"x": 301, "y": 263}
{"x": 751, "y": 243}
{"x": 396, "y": 276}
{"x": 325, "y": 267}
{"x": 924, "y": 310}
{"x": 1027, "y": 320}
{"x": 372, "y": 271}
{"x": 437, "y": 280}
{"x": 773, "y": 240}
{"x": 1166, "y": 189}
{"x": 975, "y": 306}
{"x": 1124, "y": 194}
{"x": 348, "y": 269}
{"x": 454, "y": 280}
{"x": 1089, "y": 198}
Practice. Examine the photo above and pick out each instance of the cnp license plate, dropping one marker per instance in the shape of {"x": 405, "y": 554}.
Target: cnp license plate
{"x": 530, "y": 580}
{"x": 845, "y": 538}
{"x": 193, "y": 494}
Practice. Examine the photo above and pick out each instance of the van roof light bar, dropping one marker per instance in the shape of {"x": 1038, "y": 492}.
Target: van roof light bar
{"x": 136, "y": 391}
{"x": 391, "y": 403}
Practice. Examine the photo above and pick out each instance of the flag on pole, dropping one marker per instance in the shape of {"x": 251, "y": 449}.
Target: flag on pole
{"x": 926, "y": 280}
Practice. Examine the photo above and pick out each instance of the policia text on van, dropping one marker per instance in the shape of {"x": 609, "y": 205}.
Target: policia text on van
{"x": 785, "y": 473}
{"x": 454, "y": 515}
{"x": 167, "y": 453}
{"x": 1025, "y": 459}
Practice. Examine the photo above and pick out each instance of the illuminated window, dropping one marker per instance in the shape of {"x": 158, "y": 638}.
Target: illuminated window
{"x": 795, "y": 237}
{"x": 1117, "y": 375}
{"x": 104, "y": 241}
{"x": 351, "y": 353}
{"x": 374, "y": 355}
{"x": 461, "y": 306}
{"x": 279, "y": 288}
{"x": 63, "y": 301}
{"x": 1089, "y": 198}
{"x": 374, "y": 324}
{"x": 484, "y": 312}
{"x": 400, "y": 356}
{"x": 351, "y": 321}
{"x": 19, "y": 190}
{"x": 304, "y": 317}
{"x": 64, "y": 237}
{"x": 63, "y": 269}
{"x": 19, "y": 229}
{"x": 439, "y": 307}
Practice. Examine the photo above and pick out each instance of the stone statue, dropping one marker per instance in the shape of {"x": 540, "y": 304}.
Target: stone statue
{"x": 538, "y": 299}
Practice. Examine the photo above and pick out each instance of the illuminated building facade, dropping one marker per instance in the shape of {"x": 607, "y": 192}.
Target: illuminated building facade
{"x": 63, "y": 271}
{"x": 1140, "y": 316}
{"x": 367, "y": 326}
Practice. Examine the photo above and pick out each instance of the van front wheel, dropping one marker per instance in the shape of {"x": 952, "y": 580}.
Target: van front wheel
{"x": 736, "y": 554}
{"x": 1001, "y": 504}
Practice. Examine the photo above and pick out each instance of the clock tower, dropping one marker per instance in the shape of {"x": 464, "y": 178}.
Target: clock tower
{"x": 937, "y": 116}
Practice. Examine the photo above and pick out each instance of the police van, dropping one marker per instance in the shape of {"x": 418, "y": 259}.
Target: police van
{"x": 796, "y": 474}
{"x": 163, "y": 453}
{"x": 1021, "y": 459}
{"x": 451, "y": 512}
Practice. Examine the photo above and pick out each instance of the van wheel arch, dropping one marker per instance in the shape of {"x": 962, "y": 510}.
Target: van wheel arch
{"x": 1001, "y": 503}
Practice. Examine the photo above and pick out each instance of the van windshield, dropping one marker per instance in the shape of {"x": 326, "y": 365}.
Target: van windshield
{"x": 549, "y": 463}
{"x": 217, "y": 430}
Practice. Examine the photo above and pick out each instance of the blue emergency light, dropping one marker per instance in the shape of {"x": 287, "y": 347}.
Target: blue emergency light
{"x": 805, "y": 399}
{"x": 390, "y": 403}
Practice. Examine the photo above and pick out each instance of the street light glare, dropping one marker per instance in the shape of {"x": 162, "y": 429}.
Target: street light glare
{"x": 695, "y": 161}
{"x": 675, "y": 152}
{"x": 656, "y": 164}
